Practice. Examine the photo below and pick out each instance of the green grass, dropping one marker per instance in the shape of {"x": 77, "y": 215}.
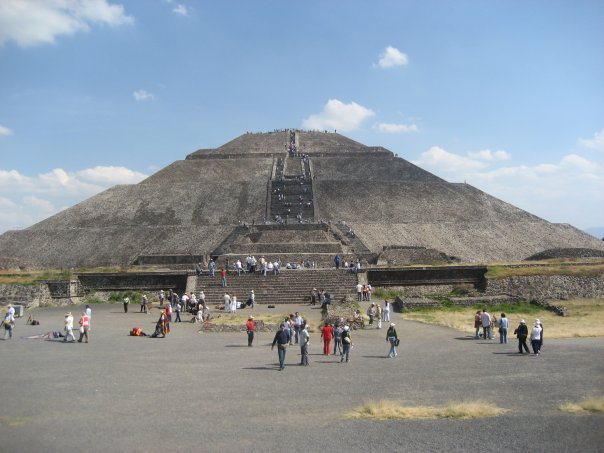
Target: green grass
{"x": 570, "y": 269}
{"x": 118, "y": 296}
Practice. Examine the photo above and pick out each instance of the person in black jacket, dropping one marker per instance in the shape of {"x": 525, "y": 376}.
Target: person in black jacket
{"x": 522, "y": 333}
{"x": 392, "y": 337}
{"x": 282, "y": 340}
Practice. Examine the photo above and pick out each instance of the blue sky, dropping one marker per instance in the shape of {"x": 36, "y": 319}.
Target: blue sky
{"x": 505, "y": 95}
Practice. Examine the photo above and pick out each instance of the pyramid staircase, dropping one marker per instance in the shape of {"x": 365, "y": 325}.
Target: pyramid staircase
{"x": 289, "y": 287}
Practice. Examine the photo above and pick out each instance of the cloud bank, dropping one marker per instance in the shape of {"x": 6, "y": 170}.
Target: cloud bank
{"x": 339, "y": 116}
{"x": 392, "y": 57}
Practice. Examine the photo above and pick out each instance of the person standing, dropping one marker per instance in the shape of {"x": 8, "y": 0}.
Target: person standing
{"x": 371, "y": 313}
{"x": 337, "y": 338}
{"x": 522, "y": 333}
{"x": 223, "y": 280}
{"x": 252, "y": 299}
{"x": 89, "y": 314}
{"x": 144, "y": 302}
{"x": 540, "y": 342}
{"x": 126, "y": 303}
{"x": 346, "y": 344}
{"x": 212, "y": 267}
{"x": 337, "y": 260}
{"x": 162, "y": 298}
{"x": 386, "y": 311}
{"x": 359, "y": 291}
{"x": 392, "y": 337}
{"x": 297, "y": 327}
{"x": 177, "y": 310}
{"x": 378, "y": 315}
{"x": 8, "y": 323}
{"x": 69, "y": 327}
{"x": 168, "y": 313}
{"x": 304, "y": 343}
{"x": 536, "y": 337}
{"x": 326, "y": 335}
{"x": 227, "y": 302}
{"x": 84, "y": 327}
{"x": 250, "y": 327}
{"x": 503, "y": 329}
{"x": 281, "y": 340}
{"x": 485, "y": 319}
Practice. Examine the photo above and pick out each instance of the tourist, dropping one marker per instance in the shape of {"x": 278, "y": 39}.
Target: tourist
{"x": 536, "y": 337}
{"x": 223, "y": 280}
{"x": 359, "y": 291}
{"x": 371, "y": 313}
{"x": 89, "y": 314}
{"x": 250, "y": 327}
{"x": 126, "y": 303}
{"x": 211, "y": 267}
{"x": 346, "y": 344}
{"x": 238, "y": 267}
{"x": 313, "y": 296}
{"x": 201, "y": 299}
{"x": 337, "y": 338}
{"x": 326, "y": 335}
{"x": 522, "y": 333}
{"x": 297, "y": 327}
{"x": 69, "y": 327}
{"x": 252, "y": 299}
{"x": 477, "y": 324}
{"x": 503, "y": 329}
{"x": 378, "y": 315}
{"x": 485, "y": 319}
{"x": 144, "y": 302}
{"x": 168, "y": 313}
{"x": 369, "y": 291}
{"x": 177, "y": 310}
{"x": 8, "y": 323}
{"x": 365, "y": 292}
{"x": 304, "y": 343}
{"x": 392, "y": 337}
{"x": 84, "y": 326}
{"x": 281, "y": 339}
{"x": 162, "y": 298}
{"x": 386, "y": 311}
{"x": 233, "y": 304}
{"x": 541, "y": 341}
{"x": 162, "y": 327}
{"x": 337, "y": 260}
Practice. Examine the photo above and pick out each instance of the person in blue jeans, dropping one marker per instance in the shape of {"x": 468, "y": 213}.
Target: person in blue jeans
{"x": 391, "y": 336}
{"x": 503, "y": 329}
{"x": 281, "y": 340}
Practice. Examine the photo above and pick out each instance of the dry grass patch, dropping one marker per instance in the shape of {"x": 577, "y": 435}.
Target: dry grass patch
{"x": 586, "y": 319}
{"x": 590, "y": 404}
{"x": 240, "y": 318}
{"x": 388, "y": 410}
{"x": 13, "y": 421}
{"x": 579, "y": 269}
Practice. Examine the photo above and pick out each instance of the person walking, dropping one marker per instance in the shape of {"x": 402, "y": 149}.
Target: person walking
{"x": 223, "y": 279}
{"x": 536, "y": 337}
{"x": 126, "y": 303}
{"x": 541, "y": 341}
{"x": 503, "y": 329}
{"x": 522, "y": 333}
{"x": 346, "y": 344}
{"x": 304, "y": 343}
{"x": 485, "y": 318}
{"x": 371, "y": 313}
{"x": 252, "y": 299}
{"x": 88, "y": 312}
{"x": 250, "y": 327}
{"x": 281, "y": 340}
{"x": 337, "y": 338}
{"x": 9, "y": 324}
{"x": 392, "y": 337}
{"x": 144, "y": 302}
{"x": 69, "y": 327}
{"x": 378, "y": 315}
{"x": 326, "y": 335}
{"x": 168, "y": 313}
{"x": 84, "y": 327}
{"x": 477, "y": 324}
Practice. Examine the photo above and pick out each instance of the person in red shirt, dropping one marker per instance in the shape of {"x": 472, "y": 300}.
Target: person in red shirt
{"x": 327, "y": 335}
{"x": 84, "y": 326}
{"x": 250, "y": 326}
{"x": 223, "y": 274}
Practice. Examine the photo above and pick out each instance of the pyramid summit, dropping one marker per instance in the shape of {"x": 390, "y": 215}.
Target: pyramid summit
{"x": 289, "y": 194}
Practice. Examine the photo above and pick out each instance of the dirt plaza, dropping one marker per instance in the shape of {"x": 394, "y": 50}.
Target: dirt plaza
{"x": 201, "y": 391}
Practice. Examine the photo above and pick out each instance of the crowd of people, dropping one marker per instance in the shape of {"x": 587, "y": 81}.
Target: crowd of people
{"x": 488, "y": 323}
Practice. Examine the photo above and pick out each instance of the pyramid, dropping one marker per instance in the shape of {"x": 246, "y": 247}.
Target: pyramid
{"x": 297, "y": 195}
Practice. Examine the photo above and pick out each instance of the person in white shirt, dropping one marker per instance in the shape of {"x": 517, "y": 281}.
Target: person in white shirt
{"x": 238, "y": 267}
{"x": 503, "y": 329}
{"x": 485, "y": 318}
{"x": 536, "y": 337}
{"x": 227, "y": 303}
{"x": 9, "y": 324}
{"x": 69, "y": 327}
{"x": 386, "y": 311}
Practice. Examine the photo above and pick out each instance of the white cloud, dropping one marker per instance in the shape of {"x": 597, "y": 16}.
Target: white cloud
{"x": 142, "y": 95}
{"x": 392, "y": 57}
{"x": 597, "y": 142}
{"x": 337, "y": 115}
{"x": 5, "y": 130}
{"x": 29, "y": 199}
{"x": 570, "y": 190}
{"x": 439, "y": 159}
{"x": 33, "y": 22}
{"x": 391, "y": 128}
{"x": 181, "y": 10}
{"x": 490, "y": 156}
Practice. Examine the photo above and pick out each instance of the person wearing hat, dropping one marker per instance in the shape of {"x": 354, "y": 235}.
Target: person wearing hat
{"x": 536, "y": 337}
{"x": 84, "y": 327}
{"x": 304, "y": 343}
{"x": 346, "y": 344}
{"x": 8, "y": 323}
{"x": 371, "y": 313}
{"x": 10, "y": 309}
{"x": 522, "y": 333}
{"x": 392, "y": 337}
{"x": 250, "y": 327}
{"x": 69, "y": 327}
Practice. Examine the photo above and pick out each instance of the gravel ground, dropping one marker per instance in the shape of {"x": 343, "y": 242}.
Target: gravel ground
{"x": 208, "y": 391}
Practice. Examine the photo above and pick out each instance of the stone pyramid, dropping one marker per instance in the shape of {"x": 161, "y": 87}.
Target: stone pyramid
{"x": 259, "y": 194}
